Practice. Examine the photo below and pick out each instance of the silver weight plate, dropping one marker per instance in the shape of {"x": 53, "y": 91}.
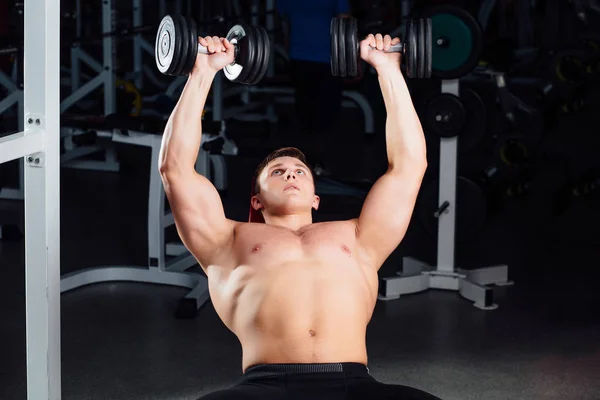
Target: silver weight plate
{"x": 165, "y": 44}
{"x": 233, "y": 70}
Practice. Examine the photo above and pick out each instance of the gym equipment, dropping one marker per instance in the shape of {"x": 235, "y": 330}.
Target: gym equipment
{"x": 13, "y": 100}
{"x": 417, "y": 276}
{"x": 176, "y": 48}
{"x": 92, "y": 39}
{"x": 519, "y": 118}
{"x": 415, "y": 49}
{"x": 471, "y": 208}
{"x": 446, "y": 115}
{"x": 39, "y": 145}
{"x": 478, "y": 197}
{"x": 147, "y": 132}
{"x": 456, "y": 41}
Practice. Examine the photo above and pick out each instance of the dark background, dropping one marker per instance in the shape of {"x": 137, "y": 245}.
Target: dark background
{"x": 121, "y": 340}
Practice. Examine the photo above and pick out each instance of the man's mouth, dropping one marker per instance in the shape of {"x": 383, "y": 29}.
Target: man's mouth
{"x": 291, "y": 187}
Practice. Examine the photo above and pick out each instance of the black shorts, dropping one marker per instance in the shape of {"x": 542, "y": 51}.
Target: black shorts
{"x": 340, "y": 381}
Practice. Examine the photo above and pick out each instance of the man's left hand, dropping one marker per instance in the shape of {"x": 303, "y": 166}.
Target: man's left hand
{"x": 372, "y": 50}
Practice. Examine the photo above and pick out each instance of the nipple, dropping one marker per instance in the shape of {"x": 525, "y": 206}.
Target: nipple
{"x": 346, "y": 249}
{"x": 312, "y": 333}
{"x": 256, "y": 248}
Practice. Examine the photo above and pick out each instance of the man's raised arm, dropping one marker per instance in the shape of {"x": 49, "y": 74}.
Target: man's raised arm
{"x": 388, "y": 208}
{"x": 195, "y": 202}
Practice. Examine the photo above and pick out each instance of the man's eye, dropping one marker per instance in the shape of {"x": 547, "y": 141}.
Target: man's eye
{"x": 300, "y": 171}
{"x": 277, "y": 170}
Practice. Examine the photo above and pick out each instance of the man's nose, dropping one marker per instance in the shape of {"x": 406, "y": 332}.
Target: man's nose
{"x": 289, "y": 175}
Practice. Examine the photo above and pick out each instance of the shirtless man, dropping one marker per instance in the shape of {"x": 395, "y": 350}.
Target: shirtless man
{"x": 297, "y": 295}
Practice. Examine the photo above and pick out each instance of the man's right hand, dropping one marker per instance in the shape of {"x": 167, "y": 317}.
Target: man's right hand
{"x": 221, "y": 53}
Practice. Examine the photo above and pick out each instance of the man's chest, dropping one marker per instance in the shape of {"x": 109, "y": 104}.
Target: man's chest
{"x": 271, "y": 244}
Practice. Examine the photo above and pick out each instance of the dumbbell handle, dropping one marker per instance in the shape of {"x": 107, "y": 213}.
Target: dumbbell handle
{"x": 397, "y": 48}
{"x": 204, "y": 50}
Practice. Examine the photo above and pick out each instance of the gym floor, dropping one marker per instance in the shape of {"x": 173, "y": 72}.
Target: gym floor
{"x": 121, "y": 340}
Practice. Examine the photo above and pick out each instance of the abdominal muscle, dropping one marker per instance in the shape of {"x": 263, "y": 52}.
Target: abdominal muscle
{"x": 302, "y": 311}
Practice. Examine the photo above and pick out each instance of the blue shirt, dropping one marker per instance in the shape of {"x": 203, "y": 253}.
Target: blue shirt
{"x": 309, "y": 26}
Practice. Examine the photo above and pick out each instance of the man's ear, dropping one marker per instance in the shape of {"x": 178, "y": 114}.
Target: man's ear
{"x": 256, "y": 203}
{"x": 316, "y": 202}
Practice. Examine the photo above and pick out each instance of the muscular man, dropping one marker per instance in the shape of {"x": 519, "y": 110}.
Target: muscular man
{"x": 297, "y": 295}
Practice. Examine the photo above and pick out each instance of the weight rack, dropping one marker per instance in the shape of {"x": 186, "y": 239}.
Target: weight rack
{"x": 417, "y": 276}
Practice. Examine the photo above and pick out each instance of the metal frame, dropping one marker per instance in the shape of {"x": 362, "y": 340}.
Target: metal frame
{"x": 106, "y": 78}
{"x": 141, "y": 46}
{"x": 14, "y": 98}
{"x": 159, "y": 270}
{"x": 39, "y": 145}
{"x": 417, "y": 276}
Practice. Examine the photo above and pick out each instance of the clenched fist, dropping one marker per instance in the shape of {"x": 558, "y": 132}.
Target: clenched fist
{"x": 372, "y": 50}
{"x": 220, "y": 54}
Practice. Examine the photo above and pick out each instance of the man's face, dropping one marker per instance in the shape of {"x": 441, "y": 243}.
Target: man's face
{"x": 286, "y": 187}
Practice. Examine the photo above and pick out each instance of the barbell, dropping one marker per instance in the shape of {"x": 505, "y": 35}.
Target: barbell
{"x": 176, "y": 48}
{"x": 415, "y": 49}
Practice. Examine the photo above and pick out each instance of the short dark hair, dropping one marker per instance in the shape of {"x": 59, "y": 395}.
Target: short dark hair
{"x": 282, "y": 152}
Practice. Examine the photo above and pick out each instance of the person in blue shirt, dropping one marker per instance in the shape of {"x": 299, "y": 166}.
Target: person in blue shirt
{"x": 318, "y": 94}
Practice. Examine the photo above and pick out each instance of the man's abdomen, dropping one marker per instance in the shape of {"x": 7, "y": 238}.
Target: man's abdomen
{"x": 304, "y": 314}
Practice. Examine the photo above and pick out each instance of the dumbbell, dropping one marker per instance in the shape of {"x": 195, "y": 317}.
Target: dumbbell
{"x": 176, "y": 48}
{"x": 415, "y": 49}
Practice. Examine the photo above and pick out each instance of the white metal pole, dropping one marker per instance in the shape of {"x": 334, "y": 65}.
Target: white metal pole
{"x": 447, "y": 192}
{"x": 42, "y": 204}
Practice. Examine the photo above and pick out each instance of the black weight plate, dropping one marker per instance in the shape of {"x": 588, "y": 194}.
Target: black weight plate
{"x": 164, "y": 45}
{"x": 411, "y": 49}
{"x": 475, "y": 125}
{"x": 420, "y": 48}
{"x": 333, "y": 38}
{"x": 178, "y": 43}
{"x": 266, "y": 54}
{"x": 249, "y": 64}
{"x": 342, "y": 49}
{"x": 185, "y": 45}
{"x": 255, "y": 63}
{"x": 445, "y": 115}
{"x": 428, "y": 47}
{"x": 471, "y": 208}
{"x": 457, "y": 41}
{"x": 193, "y": 47}
{"x": 262, "y": 60}
{"x": 352, "y": 50}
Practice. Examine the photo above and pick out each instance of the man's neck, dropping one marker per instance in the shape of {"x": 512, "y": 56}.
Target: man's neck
{"x": 292, "y": 222}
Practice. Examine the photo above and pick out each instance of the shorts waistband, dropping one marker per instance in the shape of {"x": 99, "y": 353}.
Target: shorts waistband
{"x": 264, "y": 370}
